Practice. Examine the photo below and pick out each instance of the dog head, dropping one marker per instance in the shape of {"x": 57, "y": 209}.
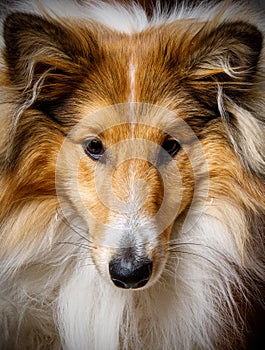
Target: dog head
{"x": 139, "y": 126}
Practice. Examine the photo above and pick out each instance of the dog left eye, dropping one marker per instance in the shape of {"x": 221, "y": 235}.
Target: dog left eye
{"x": 171, "y": 145}
{"x": 93, "y": 147}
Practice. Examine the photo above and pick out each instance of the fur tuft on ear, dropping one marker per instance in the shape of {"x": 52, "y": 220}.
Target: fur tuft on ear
{"x": 226, "y": 55}
{"x": 46, "y": 58}
{"x": 224, "y": 69}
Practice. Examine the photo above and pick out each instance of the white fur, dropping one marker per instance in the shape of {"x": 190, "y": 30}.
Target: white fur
{"x": 132, "y": 18}
{"x": 176, "y": 313}
{"x": 132, "y": 71}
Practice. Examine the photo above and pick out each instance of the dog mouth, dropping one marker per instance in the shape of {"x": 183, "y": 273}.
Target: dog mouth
{"x": 130, "y": 274}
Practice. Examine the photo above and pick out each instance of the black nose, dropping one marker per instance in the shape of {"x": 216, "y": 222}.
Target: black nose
{"x": 128, "y": 274}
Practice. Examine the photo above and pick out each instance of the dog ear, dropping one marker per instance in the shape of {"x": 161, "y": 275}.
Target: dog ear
{"x": 227, "y": 58}
{"x": 45, "y": 58}
{"x": 227, "y": 55}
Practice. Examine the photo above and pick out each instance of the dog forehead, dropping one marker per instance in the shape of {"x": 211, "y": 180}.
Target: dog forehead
{"x": 127, "y": 121}
{"x": 133, "y": 132}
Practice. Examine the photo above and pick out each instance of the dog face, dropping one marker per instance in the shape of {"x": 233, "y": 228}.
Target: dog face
{"x": 129, "y": 168}
{"x": 126, "y": 180}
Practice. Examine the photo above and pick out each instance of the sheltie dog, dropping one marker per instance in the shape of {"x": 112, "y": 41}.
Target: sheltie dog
{"x": 132, "y": 176}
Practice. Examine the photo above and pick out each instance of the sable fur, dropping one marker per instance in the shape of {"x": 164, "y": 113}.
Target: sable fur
{"x": 127, "y": 75}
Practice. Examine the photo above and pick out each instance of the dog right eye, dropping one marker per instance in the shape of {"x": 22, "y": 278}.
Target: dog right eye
{"x": 93, "y": 147}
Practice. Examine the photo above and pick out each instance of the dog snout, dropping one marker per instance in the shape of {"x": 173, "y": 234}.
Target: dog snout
{"x": 130, "y": 274}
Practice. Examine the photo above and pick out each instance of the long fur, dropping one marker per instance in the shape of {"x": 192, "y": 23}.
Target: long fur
{"x": 72, "y": 59}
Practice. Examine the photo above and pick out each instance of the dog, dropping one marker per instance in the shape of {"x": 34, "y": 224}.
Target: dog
{"x": 132, "y": 176}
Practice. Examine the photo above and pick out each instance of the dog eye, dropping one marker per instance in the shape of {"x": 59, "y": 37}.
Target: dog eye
{"x": 171, "y": 145}
{"x": 93, "y": 147}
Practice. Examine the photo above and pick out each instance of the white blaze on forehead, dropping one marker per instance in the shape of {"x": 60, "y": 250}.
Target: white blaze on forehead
{"x": 132, "y": 70}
